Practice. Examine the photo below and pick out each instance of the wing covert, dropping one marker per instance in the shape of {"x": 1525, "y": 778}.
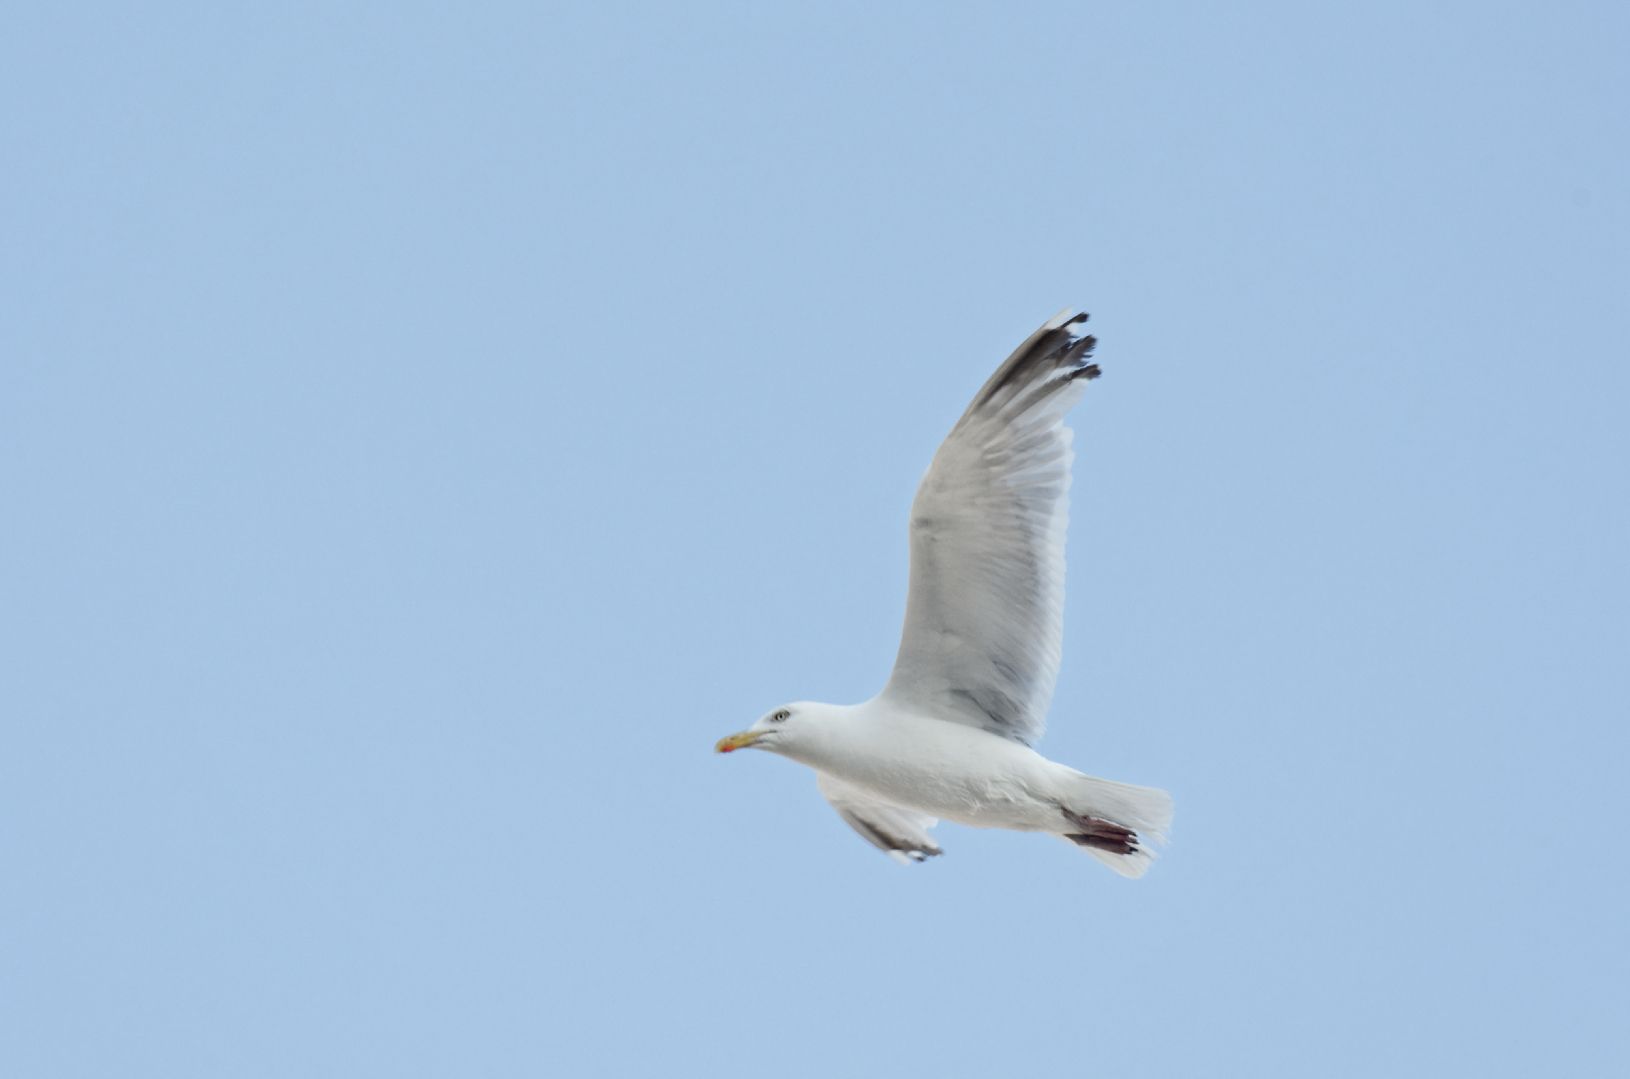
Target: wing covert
{"x": 900, "y": 833}
{"x": 984, "y": 620}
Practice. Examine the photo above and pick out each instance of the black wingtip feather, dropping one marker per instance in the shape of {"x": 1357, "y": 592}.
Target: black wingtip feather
{"x": 1058, "y": 345}
{"x": 1081, "y": 352}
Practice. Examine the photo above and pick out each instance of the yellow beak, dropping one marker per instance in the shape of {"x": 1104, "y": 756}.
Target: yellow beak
{"x": 737, "y": 741}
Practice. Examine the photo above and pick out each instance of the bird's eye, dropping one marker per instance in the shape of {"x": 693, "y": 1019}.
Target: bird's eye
{"x": 781, "y": 716}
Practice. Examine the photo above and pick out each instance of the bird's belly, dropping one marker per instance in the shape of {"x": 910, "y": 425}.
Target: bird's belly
{"x": 981, "y": 781}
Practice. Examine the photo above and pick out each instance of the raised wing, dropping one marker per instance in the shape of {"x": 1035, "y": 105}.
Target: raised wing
{"x": 902, "y": 834}
{"x": 985, "y": 617}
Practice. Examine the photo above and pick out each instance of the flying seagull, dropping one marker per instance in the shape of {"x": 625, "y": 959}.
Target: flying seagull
{"x": 950, "y": 736}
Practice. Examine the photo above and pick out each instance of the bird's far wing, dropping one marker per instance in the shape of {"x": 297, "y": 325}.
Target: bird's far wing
{"x": 902, "y": 834}
{"x": 985, "y": 616}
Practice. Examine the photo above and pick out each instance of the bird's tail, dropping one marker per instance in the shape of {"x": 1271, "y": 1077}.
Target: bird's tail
{"x": 1116, "y": 822}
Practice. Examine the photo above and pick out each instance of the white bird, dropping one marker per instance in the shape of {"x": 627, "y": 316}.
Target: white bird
{"x": 950, "y": 735}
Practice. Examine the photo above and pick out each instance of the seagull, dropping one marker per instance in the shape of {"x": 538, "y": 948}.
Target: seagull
{"x": 950, "y": 735}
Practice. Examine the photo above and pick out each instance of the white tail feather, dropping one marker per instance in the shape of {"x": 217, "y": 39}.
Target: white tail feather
{"x": 1145, "y": 810}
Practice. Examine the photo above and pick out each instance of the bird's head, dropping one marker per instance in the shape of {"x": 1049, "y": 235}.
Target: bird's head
{"x": 778, "y": 730}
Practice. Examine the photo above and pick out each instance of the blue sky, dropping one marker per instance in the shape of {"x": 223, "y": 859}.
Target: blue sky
{"x": 424, "y": 430}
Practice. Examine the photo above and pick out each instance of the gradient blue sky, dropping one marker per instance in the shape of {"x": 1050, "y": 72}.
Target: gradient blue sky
{"x": 424, "y": 429}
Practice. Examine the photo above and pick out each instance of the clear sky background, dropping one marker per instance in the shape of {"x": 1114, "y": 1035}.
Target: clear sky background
{"x": 425, "y": 429}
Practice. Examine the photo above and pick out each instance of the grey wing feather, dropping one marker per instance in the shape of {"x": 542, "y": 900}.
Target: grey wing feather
{"x": 900, "y": 833}
{"x": 985, "y": 617}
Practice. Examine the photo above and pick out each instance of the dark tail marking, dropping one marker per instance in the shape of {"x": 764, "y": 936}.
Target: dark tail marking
{"x": 1101, "y": 834}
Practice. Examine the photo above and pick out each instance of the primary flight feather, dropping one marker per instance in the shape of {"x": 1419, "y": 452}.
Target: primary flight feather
{"x": 950, "y": 736}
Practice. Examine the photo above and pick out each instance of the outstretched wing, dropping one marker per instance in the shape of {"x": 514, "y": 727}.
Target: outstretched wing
{"x": 902, "y": 834}
{"x": 985, "y": 617}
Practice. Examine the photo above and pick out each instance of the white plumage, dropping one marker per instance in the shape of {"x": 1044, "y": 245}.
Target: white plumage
{"x": 950, "y": 735}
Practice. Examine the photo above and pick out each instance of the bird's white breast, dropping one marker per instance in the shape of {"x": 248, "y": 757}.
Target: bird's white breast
{"x": 949, "y": 770}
